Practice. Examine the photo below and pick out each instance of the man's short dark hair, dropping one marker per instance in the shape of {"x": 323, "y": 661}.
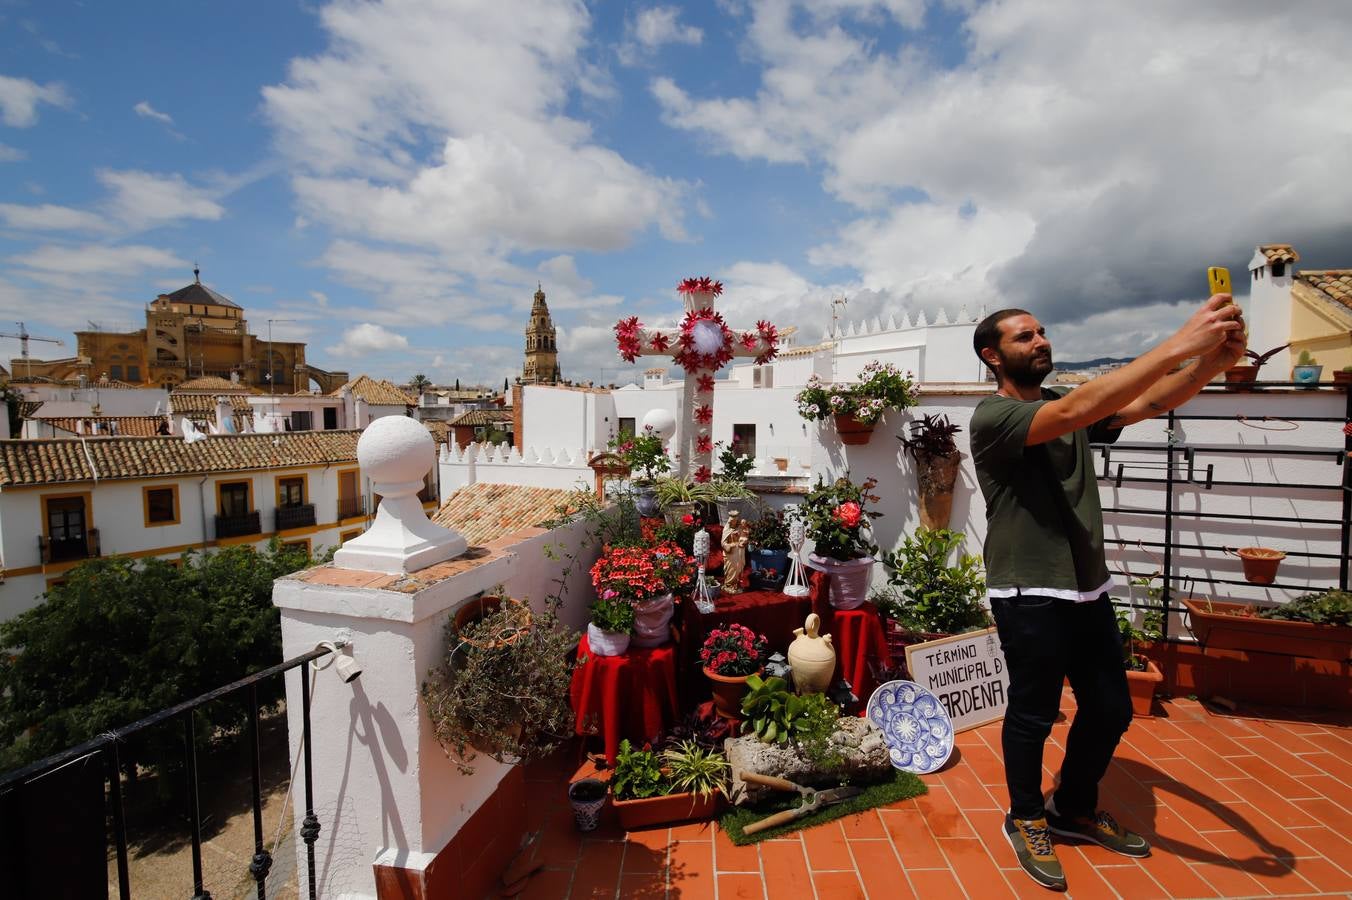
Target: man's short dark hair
{"x": 987, "y": 332}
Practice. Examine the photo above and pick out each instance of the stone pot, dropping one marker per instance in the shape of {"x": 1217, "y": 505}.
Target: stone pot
{"x": 812, "y": 657}
{"x": 849, "y": 580}
{"x": 851, "y": 431}
{"x": 937, "y": 475}
{"x": 645, "y": 499}
{"x": 675, "y": 512}
{"x": 607, "y": 643}
{"x": 652, "y": 621}
{"x": 587, "y": 797}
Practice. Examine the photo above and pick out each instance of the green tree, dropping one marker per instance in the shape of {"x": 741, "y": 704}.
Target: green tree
{"x": 12, "y": 398}
{"x": 121, "y": 639}
{"x": 420, "y": 383}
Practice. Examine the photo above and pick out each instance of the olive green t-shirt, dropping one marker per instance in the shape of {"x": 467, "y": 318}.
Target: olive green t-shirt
{"x": 1044, "y": 525}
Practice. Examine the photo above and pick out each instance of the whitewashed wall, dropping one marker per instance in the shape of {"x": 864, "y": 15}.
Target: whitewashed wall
{"x": 539, "y": 567}
{"x": 559, "y": 417}
{"x": 885, "y": 459}
{"x": 501, "y": 464}
{"x": 69, "y": 401}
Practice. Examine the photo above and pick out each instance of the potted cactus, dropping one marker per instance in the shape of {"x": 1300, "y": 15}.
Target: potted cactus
{"x": 1307, "y": 370}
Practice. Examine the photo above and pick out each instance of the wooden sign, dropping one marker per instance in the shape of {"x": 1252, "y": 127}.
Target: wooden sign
{"x": 967, "y": 673}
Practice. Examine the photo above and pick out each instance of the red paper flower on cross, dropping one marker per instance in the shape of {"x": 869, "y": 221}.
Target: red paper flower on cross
{"x": 770, "y": 335}
{"x": 690, "y": 357}
{"x": 704, "y": 444}
{"x": 627, "y": 338}
{"x": 750, "y": 339}
{"x": 703, "y": 474}
{"x": 704, "y": 414}
{"x": 705, "y": 285}
{"x": 706, "y": 384}
{"x": 659, "y": 342}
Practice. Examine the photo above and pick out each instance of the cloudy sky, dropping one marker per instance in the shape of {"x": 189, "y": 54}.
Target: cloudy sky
{"x": 395, "y": 177}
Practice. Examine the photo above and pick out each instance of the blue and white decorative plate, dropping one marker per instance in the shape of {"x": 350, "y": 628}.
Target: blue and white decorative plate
{"x": 914, "y": 724}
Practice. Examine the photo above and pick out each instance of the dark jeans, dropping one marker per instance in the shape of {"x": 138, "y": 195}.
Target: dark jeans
{"x": 1045, "y": 640}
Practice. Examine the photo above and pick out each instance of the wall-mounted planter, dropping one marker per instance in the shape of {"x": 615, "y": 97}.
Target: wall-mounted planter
{"x": 851, "y": 431}
{"x": 1223, "y": 625}
{"x": 1260, "y": 563}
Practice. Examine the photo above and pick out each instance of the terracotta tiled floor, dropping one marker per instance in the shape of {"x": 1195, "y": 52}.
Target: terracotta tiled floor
{"x": 1224, "y": 820}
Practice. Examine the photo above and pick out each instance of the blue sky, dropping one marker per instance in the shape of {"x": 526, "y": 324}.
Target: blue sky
{"x": 396, "y": 176}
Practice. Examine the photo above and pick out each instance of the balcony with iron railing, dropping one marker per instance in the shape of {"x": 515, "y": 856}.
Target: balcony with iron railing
{"x": 351, "y": 507}
{"x": 301, "y": 515}
{"x": 239, "y": 526}
{"x": 69, "y": 550}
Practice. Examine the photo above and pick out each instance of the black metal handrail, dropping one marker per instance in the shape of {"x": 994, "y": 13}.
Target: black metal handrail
{"x": 238, "y": 526}
{"x": 351, "y": 507}
{"x": 299, "y": 516}
{"x": 52, "y": 551}
{"x": 107, "y": 745}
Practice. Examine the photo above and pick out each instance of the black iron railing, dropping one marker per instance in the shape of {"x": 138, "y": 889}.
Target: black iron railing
{"x": 351, "y": 507}
{"x": 238, "y": 526}
{"x": 295, "y": 516}
{"x": 69, "y": 550}
{"x": 1180, "y": 471}
{"x": 106, "y": 746}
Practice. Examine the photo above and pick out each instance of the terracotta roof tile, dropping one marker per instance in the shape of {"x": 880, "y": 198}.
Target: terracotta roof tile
{"x": 440, "y": 431}
{"x": 199, "y": 405}
{"x": 214, "y": 384}
{"x": 1336, "y": 284}
{"x": 481, "y": 417}
{"x": 484, "y": 512}
{"x": 127, "y": 426}
{"x": 1279, "y": 253}
{"x": 27, "y": 462}
{"x": 377, "y": 393}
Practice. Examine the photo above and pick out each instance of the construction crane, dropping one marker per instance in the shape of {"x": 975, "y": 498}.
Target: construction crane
{"x": 23, "y": 337}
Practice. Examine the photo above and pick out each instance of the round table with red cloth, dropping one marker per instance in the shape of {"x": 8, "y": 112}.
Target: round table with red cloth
{"x": 630, "y": 696}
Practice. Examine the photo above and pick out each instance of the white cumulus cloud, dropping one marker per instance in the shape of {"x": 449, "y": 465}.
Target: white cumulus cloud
{"x": 146, "y": 111}
{"x": 20, "y": 99}
{"x": 49, "y": 217}
{"x": 366, "y": 338}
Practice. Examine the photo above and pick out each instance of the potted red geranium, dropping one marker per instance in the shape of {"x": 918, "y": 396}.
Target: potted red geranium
{"x": 730, "y": 656}
{"x": 646, "y": 578}
{"x": 841, "y": 526}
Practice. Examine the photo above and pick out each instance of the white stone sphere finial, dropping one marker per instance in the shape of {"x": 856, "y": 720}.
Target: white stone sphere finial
{"x": 396, "y": 452}
{"x": 662, "y": 421}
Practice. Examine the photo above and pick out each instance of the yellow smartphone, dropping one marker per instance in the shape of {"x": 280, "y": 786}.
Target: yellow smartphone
{"x": 1218, "y": 277}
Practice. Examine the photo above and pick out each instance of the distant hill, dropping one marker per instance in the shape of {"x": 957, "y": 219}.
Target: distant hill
{"x": 1092, "y": 363}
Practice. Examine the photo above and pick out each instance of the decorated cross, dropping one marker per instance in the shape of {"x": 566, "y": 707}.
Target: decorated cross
{"x": 701, "y": 345}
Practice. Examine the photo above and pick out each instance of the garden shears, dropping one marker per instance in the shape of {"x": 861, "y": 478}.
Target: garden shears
{"x": 813, "y": 800}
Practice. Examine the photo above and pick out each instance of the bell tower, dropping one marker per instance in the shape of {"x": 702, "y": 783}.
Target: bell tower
{"x": 542, "y": 357}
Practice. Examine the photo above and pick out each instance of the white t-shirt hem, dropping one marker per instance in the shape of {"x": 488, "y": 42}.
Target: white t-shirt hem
{"x": 1058, "y": 593}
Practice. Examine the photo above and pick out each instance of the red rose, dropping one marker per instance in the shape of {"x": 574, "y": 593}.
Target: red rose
{"x": 848, "y": 514}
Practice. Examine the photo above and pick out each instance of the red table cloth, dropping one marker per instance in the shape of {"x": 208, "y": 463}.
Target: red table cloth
{"x": 631, "y": 696}
{"x": 858, "y": 637}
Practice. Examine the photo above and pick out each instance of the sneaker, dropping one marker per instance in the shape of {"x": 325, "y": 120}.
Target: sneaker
{"x": 1102, "y": 829}
{"x": 1032, "y": 843}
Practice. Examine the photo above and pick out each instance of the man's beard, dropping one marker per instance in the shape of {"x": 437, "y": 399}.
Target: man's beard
{"x": 1029, "y": 372}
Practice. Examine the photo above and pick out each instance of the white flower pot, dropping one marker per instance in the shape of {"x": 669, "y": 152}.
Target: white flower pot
{"x": 607, "y": 643}
{"x": 849, "y": 581}
{"x": 652, "y": 621}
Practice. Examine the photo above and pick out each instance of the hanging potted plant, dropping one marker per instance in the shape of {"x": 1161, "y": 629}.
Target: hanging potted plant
{"x": 680, "y": 497}
{"x": 729, "y": 485}
{"x": 1307, "y": 370}
{"x": 841, "y": 528}
{"x": 611, "y": 625}
{"x": 857, "y": 407}
{"x": 770, "y": 551}
{"x": 644, "y": 577}
{"x": 1260, "y": 563}
{"x": 506, "y": 698}
{"x": 1237, "y": 377}
{"x": 646, "y": 456}
{"x": 937, "y": 458}
{"x": 729, "y": 656}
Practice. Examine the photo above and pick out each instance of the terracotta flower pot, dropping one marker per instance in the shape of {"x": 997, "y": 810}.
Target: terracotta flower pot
{"x": 1237, "y": 377}
{"x": 937, "y": 476}
{"x": 728, "y": 691}
{"x": 1260, "y": 563}
{"x": 1224, "y": 625}
{"x": 645, "y": 811}
{"x": 1341, "y": 377}
{"x": 851, "y": 431}
{"x": 1141, "y": 686}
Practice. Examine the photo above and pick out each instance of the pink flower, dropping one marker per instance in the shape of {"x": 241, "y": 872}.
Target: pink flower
{"x": 687, "y": 519}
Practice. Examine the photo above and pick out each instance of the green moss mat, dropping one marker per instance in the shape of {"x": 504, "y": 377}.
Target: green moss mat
{"x": 903, "y": 786}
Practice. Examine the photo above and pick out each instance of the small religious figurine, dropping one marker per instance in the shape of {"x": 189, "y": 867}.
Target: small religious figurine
{"x": 736, "y": 536}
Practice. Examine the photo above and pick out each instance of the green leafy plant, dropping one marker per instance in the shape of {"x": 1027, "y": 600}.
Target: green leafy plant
{"x": 645, "y": 453}
{"x": 935, "y": 597}
{"x": 1131, "y": 636}
{"x": 1152, "y": 620}
{"x": 693, "y": 769}
{"x": 774, "y": 714}
{"x": 681, "y": 490}
{"x": 837, "y": 519}
{"x": 770, "y": 531}
{"x": 504, "y": 699}
{"x": 1346, "y": 369}
{"x": 736, "y": 465}
{"x": 880, "y": 387}
{"x": 681, "y": 534}
{"x": 734, "y": 651}
{"x": 1331, "y": 607}
{"x": 638, "y": 774}
{"x": 613, "y": 614}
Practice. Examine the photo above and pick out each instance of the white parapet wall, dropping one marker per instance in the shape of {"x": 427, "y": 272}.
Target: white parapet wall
{"x": 502, "y": 464}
